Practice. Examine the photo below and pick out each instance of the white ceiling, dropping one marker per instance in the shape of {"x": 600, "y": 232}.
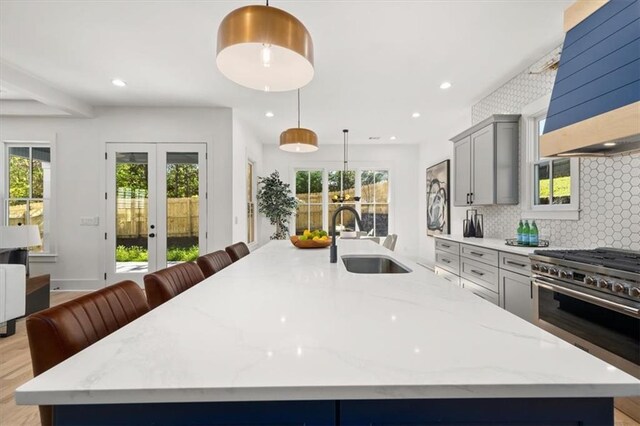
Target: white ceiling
{"x": 12, "y": 95}
{"x": 376, "y": 61}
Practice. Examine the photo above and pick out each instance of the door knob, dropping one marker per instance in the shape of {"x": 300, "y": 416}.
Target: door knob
{"x": 151, "y": 235}
{"x": 152, "y": 227}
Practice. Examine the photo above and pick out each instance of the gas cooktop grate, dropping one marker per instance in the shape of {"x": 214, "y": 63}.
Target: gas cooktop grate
{"x": 623, "y": 260}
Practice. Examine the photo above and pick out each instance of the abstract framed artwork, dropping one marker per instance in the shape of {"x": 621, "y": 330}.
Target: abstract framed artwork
{"x": 438, "y": 199}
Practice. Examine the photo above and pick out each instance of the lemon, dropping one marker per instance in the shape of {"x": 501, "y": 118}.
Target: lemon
{"x": 306, "y": 233}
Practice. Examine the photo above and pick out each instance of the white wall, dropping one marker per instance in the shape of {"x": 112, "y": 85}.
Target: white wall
{"x": 246, "y": 146}
{"x": 434, "y": 150}
{"x": 402, "y": 162}
{"x": 79, "y": 176}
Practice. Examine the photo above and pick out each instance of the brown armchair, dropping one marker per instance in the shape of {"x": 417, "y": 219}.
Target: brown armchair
{"x": 167, "y": 283}
{"x": 59, "y": 332}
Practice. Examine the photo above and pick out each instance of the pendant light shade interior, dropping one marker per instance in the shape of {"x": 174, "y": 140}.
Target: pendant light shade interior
{"x": 298, "y": 139}
{"x": 265, "y": 48}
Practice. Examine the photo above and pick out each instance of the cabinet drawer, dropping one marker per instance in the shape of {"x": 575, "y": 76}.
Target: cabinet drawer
{"x": 452, "y": 278}
{"x": 480, "y": 291}
{"x": 448, "y": 246}
{"x": 448, "y": 261}
{"x": 480, "y": 273}
{"x": 515, "y": 263}
{"x": 480, "y": 254}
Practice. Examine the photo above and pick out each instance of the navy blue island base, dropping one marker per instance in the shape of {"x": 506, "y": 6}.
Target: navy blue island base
{"x": 405, "y": 412}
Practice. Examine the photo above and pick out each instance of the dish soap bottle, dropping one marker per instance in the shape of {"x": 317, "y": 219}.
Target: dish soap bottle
{"x": 519, "y": 232}
{"x": 525, "y": 233}
{"x": 533, "y": 234}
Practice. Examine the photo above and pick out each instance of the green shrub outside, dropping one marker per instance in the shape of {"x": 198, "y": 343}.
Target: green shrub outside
{"x": 140, "y": 254}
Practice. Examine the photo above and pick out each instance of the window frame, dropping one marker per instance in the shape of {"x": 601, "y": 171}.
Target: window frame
{"x": 49, "y": 254}
{"x": 326, "y": 167}
{"x": 531, "y": 115}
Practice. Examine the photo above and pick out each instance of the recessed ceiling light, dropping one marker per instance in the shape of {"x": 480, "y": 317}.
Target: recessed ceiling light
{"x": 392, "y": 138}
{"x": 415, "y": 115}
{"x": 445, "y": 85}
{"x": 610, "y": 144}
{"x": 269, "y": 114}
{"x": 118, "y": 82}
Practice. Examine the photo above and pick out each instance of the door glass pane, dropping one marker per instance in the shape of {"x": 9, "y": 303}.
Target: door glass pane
{"x": 368, "y": 218}
{"x": 19, "y": 172}
{"x": 250, "y": 207}
{"x": 382, "y": 186}
{"x": 183, "y": 205}
{"x": 382, "y": 220}
{"x": 562, "y": 181}
{"x": 132, "y": 184}
{"x": 541, "y": 178}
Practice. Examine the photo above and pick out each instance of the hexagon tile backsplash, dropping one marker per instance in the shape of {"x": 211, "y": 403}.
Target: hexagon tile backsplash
{"x": 609, "y": 186}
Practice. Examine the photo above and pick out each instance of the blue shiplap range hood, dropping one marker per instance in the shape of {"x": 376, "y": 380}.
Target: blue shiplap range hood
{"x": 595, "y": 104}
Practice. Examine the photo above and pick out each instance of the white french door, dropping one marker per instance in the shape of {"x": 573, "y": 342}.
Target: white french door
{"x": 156, "y": 207}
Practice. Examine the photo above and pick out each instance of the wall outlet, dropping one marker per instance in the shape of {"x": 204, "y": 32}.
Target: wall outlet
{"x": 89, "y": 221}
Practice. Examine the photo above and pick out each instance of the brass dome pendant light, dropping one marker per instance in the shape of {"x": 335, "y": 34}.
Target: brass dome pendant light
{"x": 298, "y": 139}
{"x": 344, "y": 197}
{"x": 265, "y": 48}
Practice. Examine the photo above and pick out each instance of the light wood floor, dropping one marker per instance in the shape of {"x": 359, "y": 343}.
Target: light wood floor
{"x": 15, "y": 369}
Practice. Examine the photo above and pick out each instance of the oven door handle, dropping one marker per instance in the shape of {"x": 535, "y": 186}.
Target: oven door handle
{"x": 587, "y": 298}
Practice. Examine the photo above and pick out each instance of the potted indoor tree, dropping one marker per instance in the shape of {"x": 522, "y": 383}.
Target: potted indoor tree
{"x": 277, "y": 203}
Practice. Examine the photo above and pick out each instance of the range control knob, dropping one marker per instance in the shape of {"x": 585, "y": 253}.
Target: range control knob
{"x": 566, "y": 274}
{"x": 544, "y": 269}
{"x": 602, "y": 283}
{"x": 553, "y": 271}
{"x": 634, "y": 292}
{"x": 590, "y": 281}
{"x": 618, "y": 288}
{"x": 535, "y": 267}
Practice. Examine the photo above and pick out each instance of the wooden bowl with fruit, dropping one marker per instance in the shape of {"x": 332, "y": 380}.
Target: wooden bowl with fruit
{"x": 311, "y": 239}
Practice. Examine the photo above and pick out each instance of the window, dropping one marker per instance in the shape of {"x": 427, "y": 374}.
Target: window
{"x": 550, "y": 185}
{"x": 29, "y": 189}
{"x": 552, "y": 177}
{"x": 316, "y": 188}
{"x": 338, "y": 180}
{"x": 309, "y": 184}
{"x": 374, "y": 188}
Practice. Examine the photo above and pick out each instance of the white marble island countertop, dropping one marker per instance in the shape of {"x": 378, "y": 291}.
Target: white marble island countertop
{"x": 285, "y": 324}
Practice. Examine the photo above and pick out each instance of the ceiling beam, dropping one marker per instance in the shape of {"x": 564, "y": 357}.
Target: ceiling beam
{"x": 24, "y": 108}
{"x": 20, "y": 81}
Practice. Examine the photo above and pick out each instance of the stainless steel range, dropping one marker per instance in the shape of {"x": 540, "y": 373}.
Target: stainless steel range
{"x": 591, "y": 298}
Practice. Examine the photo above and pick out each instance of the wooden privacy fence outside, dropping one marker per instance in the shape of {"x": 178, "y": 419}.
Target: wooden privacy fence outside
{"x": 314, "y": 206}
{"x": 182, "y": 217}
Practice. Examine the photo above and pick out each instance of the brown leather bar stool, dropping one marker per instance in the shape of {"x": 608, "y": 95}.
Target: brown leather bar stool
{"x": 59, "y": 332}
{"x": 214, "y": 262}
{"x": 237, "y": 251}
{"x": 167, "y": 283}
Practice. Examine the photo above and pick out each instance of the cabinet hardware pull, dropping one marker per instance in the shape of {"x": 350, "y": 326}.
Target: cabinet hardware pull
{"x": 477, "y": 272}
{"x": 471, "y": 197}
{"x": 445, "y": 245}
{"x": 522, "y": 265}
{"x": 475, "y": 253}
{"x": 468, "y": 202}
{"x": 446, "y": 260}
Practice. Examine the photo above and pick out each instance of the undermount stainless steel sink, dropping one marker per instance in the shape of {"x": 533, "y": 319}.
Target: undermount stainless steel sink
{"x": 373, "y": 264}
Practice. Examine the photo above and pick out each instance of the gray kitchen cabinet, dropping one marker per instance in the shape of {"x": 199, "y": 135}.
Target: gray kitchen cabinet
{"x": 515, "y": 294}
{"x": 462, "y": 170}
{"x": 503, "y": 278}
{"x": 485, "y": 162}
